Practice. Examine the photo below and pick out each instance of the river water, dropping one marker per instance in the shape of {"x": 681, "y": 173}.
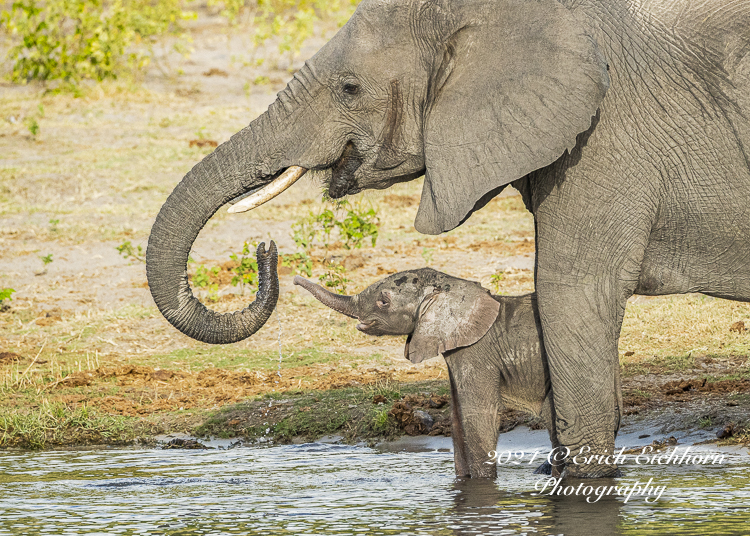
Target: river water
{"x": 319, "y": 488}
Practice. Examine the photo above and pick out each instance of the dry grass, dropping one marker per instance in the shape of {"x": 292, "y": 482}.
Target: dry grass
{"x": 677, "y": 329}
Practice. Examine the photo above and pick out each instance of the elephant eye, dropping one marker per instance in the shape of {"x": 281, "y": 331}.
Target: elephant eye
{"x": 351, "y": 88}
{"x": 383, "y": 302}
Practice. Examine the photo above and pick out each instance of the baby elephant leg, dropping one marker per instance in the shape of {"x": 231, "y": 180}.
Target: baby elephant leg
{"x": 476, "y": 402}
{"x": 460, "y": 456}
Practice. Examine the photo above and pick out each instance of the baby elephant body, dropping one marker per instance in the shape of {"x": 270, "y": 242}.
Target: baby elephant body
{"x": 492, "y": 345}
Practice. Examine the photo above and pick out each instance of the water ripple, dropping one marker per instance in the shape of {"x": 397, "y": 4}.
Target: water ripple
{"x": 339, "y": 489}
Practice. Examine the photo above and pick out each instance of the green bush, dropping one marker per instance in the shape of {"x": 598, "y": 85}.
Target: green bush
{"x": 73, "y": 40}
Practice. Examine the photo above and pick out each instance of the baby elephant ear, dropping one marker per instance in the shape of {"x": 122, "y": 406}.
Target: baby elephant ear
{"x": 455, "y": 315}
{"x": 511, "y": 93}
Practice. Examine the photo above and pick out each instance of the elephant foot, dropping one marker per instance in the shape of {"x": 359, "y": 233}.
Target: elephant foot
{"x": 544, "y": 469}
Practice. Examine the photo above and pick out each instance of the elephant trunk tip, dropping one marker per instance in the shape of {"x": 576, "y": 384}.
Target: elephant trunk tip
{"x": 262, "y": 253}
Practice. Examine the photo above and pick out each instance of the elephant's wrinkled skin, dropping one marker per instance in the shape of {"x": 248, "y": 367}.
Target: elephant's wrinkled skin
{"x": 492, "y": 345}
{"x": 650, "y": 197}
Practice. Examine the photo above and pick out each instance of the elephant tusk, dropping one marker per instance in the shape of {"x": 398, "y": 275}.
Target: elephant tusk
{"x": 269, "y": 191}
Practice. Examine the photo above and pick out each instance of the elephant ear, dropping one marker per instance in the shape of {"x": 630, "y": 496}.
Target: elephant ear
{"x": 515, "y": 86}
{"x": 454, "y": 315}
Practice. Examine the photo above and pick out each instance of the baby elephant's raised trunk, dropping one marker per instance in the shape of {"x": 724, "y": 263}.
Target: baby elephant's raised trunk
{"x": 346, "y": 305}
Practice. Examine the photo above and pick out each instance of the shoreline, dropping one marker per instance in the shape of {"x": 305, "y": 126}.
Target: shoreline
{"x": 387, "y": 415}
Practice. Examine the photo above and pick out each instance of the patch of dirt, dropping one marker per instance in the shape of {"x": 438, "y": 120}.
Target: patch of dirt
{"x": 415, "y": 421}
{"x": 738, "y": 327}
{"x": 525, "y": 246}
{"x": 143, "y": 390}
{"x": 8, "y": 358}
{"x": 681, "y": 387}
{"x": 203, "y": 143}
{"x": 213, "y": 71}
{"x": 49, "y": 317}
{"x": 647, "y": 392}
{"x": 401, "y": 201}
{"x": 77, "y": 379}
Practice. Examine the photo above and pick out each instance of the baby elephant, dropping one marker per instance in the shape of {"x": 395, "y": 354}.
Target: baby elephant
{"x": 492, "y": 344}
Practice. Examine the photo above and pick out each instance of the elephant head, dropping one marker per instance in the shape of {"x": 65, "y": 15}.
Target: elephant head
{"x": 472, "y": 95}
{"x": 438, "y": 312}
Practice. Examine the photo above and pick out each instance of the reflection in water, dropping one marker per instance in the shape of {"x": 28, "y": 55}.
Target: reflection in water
{"x": 332, "y": 489}
{"x": 483, "y": 508}
{"x": 574, "y": 516}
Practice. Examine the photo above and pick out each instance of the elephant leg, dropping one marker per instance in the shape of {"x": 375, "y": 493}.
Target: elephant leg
{"x": 591, "y": 241}
{"x": 477, "y": 398}
{"x": 460, "y": 459}
{"x": 584, "y": 369}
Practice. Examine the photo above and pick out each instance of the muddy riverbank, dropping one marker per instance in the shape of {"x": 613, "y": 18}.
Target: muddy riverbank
{"x": 369, "y": 409}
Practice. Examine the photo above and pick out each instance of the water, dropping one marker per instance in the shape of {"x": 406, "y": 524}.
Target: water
{"x": 337, "y": 489}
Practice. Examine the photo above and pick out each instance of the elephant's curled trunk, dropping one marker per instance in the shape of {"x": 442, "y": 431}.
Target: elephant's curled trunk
{"x": 207, "y": 187}
{"x": 266, "y": 154}
{"x": 346, "y": 305}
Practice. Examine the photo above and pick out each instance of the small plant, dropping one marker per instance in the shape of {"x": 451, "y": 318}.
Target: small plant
{"x": 261, "y": 81}
{"x": 246, "y": 271}
{"x": 427, "y": 254}
{"x": 32, "y": 121}
{"x": 127, "y": 250}
{"x": 53, "y": 225}
{"x": 33, "y": 125}
{"x": 705, "y": 422}
{"x": 380, "y": 420}
{"x": 6, "y": 293}
{"x": 358, "y": 226}
{"x": 354, "y": 225}
{"x": 496, "y": 279}
{"x": 46, "y": 259}
{"x": 334, "y": 278}
{"x": 387, "y": 388}
{"x": 202, "y": 279}
{"x": 301, "y": 263}
{"x": 5, "y": 297}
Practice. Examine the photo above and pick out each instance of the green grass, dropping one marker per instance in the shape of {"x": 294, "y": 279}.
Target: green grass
{"x": 737, "y": 376}
{"x": 53, "y": 424}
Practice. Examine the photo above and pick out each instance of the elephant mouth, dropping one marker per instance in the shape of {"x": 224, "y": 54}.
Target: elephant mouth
{"x": 365, "y": 327}
{"x": 342, "y": 173}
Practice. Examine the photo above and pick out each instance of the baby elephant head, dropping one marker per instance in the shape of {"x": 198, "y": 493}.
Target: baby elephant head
{"x": 438, "y": 312}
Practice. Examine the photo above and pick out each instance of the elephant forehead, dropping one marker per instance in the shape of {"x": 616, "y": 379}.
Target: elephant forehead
{"x": 375, "y": 40}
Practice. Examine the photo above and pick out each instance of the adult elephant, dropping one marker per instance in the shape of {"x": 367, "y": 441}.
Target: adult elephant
{"x": 624, "y": 124}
